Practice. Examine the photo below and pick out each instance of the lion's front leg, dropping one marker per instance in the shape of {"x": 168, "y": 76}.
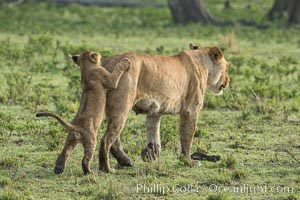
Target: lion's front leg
{"x": 152, "y": 150}
{"x": 187, "y": 127}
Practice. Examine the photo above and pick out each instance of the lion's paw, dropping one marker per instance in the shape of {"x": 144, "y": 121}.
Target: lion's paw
{"x": 192, "y": 163}
{"x": 107, "y": 170}
{"x": 188, "y": 161}
{"x": 151, "y": 152}
{"x": 58, "y": 169}
{"x": 126, "y": 162}
{"x": 126, "y": 63}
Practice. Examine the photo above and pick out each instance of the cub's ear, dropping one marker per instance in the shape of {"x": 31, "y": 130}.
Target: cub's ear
{"x": 95, "y": 57}
{"x": 74, "y": 58}
{"x": 193, "y": 46}
{"x": 215, "y": 54}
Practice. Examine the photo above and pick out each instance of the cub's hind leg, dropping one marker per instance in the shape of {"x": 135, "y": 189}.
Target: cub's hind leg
{"x": 89, "y": 140}
{"x": 70, "y": 143}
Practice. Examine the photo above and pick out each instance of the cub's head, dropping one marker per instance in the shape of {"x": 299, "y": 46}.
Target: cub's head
{"x": 87, "y": 58}
{"x": 217, "y": 66}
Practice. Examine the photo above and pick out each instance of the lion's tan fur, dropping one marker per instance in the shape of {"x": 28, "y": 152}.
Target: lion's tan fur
{"x": 95, "y": 80}
{"x": 157, "y": 85}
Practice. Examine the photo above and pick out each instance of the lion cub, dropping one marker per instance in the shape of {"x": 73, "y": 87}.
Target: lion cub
{"x": 95, "y": 80}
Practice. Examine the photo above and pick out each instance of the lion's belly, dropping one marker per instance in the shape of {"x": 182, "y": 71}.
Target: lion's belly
{"x": 156, "y": 105}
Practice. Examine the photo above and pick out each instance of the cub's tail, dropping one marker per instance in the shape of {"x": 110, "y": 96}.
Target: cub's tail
{"x": 65, "y": 124}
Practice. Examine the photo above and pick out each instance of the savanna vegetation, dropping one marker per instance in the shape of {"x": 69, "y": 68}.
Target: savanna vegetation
{"x": 254, "y": 126}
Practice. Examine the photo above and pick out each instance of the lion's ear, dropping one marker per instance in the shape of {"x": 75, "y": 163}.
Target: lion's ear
{"x": 215, "y": 54}
{"x": 74, "y": 58}
{"x": 94, "y": 57}
{"x": 193, "y": 46}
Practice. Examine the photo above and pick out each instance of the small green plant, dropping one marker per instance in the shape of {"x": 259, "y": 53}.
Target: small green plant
{"x": 201, "y": 133}
{"x": 239, "y": 175}
{"x": 38, "y": 45}
{"x": 5, "y": 181}
{"x": 19, "y": 85}
{"x": 112, "y": 191}
{"x": 7, "y": 162}
{"x": 169, "y": 131}
{"x": 237, "y": 145}
{"x": 292, "y": 197}
{"x": 229, "y": 162}
{"x": 9, "y": 195}
{"x": 222, "y": 196}
{"x": 160, "y": 49}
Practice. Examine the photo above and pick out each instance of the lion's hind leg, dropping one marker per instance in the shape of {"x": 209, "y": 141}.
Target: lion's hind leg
{"x": 89, "y": 140}
{"x": 72, "y": 140}
{"x": 117, "y": 151}
{"x": 116, "y": 116}
{"x": 113, "y": 131}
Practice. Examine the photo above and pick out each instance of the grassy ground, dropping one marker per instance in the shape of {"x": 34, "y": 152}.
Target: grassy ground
{"x": 254, "y": 126}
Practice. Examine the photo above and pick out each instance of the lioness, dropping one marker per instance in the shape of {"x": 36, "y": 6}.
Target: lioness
{"x": 95, "y": 80}
{"x": 174, "y": 85}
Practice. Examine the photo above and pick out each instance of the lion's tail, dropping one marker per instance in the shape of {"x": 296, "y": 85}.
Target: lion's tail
{"x": 65, "y": 124}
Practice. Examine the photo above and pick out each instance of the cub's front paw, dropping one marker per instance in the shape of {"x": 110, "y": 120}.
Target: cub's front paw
{"x": 126, "y": 63}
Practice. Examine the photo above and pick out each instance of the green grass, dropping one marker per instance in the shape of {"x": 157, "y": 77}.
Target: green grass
{"x": 254, "y": 126}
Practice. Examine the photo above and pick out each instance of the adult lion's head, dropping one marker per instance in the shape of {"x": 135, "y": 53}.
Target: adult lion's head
{"x": 218, "y": 78}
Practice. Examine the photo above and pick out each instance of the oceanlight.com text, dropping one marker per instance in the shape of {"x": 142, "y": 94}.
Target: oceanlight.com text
{"x": 212, "y": 188}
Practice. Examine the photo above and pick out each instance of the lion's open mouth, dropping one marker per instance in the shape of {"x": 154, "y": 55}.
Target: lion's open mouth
{"x": 222, "y": 87}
